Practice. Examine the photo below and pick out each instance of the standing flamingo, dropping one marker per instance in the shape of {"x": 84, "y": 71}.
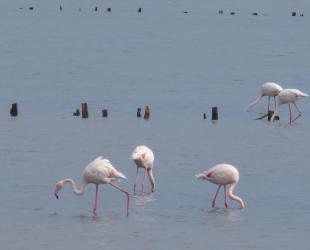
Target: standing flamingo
{"x": 288, "y": 96}
{"x": 99, "y": 171}
{"x": 222, "y": 175}
{"x": 144, "y": 158}
{"x": 268, "y": 89}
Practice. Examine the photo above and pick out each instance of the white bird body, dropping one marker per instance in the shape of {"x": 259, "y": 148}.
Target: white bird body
{"x": 143, "y": 156}
{"x": 99, "y": 171}
{"x": 288, "y": 96}
{"x": 269, "y": 89}
{"x": 222, "y": 175}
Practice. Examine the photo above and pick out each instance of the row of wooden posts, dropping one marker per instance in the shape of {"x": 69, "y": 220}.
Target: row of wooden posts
{"x": 104, "y": 112}
{"x": 146, "y": 115}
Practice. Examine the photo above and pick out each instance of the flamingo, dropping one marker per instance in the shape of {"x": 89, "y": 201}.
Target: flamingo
{"x": 144, "y": 158}
{"x": 223, "y": 175}
{"x": 268, "y": 89}
{"x": 288, "y": 96}
{"x": 99, "y": 171}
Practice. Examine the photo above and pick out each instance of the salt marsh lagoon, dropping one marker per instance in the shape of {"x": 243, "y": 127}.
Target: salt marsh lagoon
{"x": 180, "y": 64}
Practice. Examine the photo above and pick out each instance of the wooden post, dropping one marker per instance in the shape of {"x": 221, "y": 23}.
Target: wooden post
{"x": 139, "y": 112}
{"x": 270, "y": 114}
{"x": 14, "y": 109}
{"x": 84, "y": 110}
{"x": 146, "y": 112}
{"x": 204, "y": 116}
{"x": 76, "y": 113}
{"x": 214, "y": 114}
{"x": 104, "y": 113}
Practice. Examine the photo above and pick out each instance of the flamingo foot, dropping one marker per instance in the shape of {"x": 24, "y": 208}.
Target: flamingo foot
{"x": 94, "y": 211}
{"x": 226, "y": 205}
{"x": 213, "y": 204}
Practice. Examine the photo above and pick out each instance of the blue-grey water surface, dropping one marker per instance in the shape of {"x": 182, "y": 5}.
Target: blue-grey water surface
{"x": 181, "y": 65}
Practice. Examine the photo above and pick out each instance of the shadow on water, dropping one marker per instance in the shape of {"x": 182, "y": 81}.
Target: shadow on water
{"x": 222, "y": 215}
{"x": 143, "y": 199}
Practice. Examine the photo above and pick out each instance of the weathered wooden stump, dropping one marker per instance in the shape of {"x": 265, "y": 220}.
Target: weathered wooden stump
{"x": 140, "y": 10}
{"x": 96, "y": 8}
{"x": 14, "y": 109}
{"x": 215, "y": 116}
{"x": 204, "y": 116}
{"x": 270, "y": 114}
{"x": 139, "y": 112}
{"x": 84, "y": 110}
{"x": 109, "y": 9}
{"x": 76, "y": 113}
{"x": 146, "y": 112}
{"x": 293, "y": 13}
{"x": 104, "y": 113}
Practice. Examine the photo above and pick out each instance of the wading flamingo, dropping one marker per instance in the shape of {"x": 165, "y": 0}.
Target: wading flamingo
{"x": 99, "y": 171}
{"x": 288, "y": 96}
{"x": 144, "y": 158}
{"x": 223, "y": 175}
{"x": 268, "y": 89}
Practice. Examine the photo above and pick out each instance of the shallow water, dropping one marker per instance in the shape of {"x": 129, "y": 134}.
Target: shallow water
{"x": 181, "y": 65}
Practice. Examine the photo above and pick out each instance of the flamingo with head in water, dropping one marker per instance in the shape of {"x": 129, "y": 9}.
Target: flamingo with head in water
{"x": 288, "y": 96}
{"x": 143, "y": 156}
{"x": 99, "y": 171}
{"x": 269, "y": 89}
{"x": 223, "y": 175}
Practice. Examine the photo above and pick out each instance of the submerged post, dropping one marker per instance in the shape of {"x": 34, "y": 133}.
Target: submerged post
{"x": 139, "y": 112}
{"x": 146, "y": 112}
{"x": 270, "y": 114}
{"x": 76, "y": 113}
{"x": 215, "y": 114}
{"x": 84, "y": 110}
{"x": 104, "y": 113}
{"x": 14, "y": 109}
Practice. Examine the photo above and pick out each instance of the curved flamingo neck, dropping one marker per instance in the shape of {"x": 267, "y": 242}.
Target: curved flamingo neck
{"x": 252, "y": 104}
{"x": 235, "y": 197}
{"x": 74, "y": 187}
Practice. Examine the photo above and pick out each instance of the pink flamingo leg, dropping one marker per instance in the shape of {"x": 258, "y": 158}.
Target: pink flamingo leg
{"x": 152, "y": 180}
{"x": 268, "y": 104}
{"x": 214, "y": 199}
{"x": 135, "y": 183}
{"x": 125, "y": 192}
{"x": 143, "y": 181}
{"x": 289, "y": 107}
{"x": 225, "y": 198}
{"x": 299, "y": 112}
{"x": 96, "y": 200}
{"x": 275, "y": 102}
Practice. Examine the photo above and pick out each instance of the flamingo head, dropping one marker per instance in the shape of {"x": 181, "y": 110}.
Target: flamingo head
{"x": 58, "y": 187}
{"x": 201, "y": 176}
